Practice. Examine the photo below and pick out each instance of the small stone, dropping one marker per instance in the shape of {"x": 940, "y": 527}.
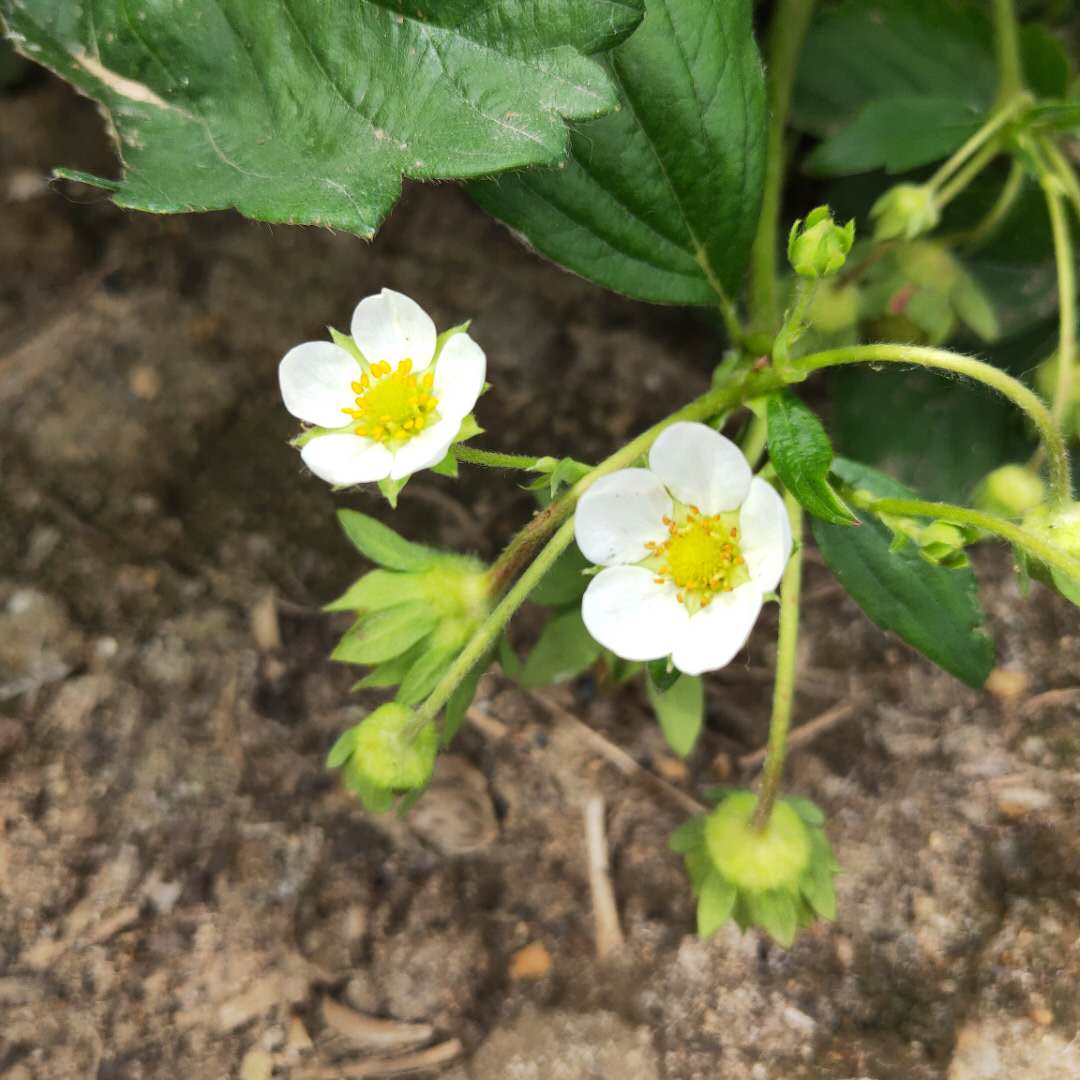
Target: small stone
{"x": 531, "y": 962}
{"x": 1017, "y": 802}
{"x": 1007, "y": 684}
{"x": 257, "y": 1065}
{"x": 672, "y": 769}
{"x": 722, "y": 766}
{"x": 145, "y": 383}
{"x": 1041, "y": 1015}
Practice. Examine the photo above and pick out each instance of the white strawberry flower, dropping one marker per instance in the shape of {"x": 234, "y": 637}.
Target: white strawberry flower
{"x": 690, "y": 546}
{"x": 394, "y": 406}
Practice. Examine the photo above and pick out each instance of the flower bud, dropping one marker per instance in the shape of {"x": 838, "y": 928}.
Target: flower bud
{"x": 904, "y": 212}
{"x": 1061, "y": 528}
{"x": 1010, "y": 491}
{"x": 755, "y": 860}
{"x": 382, "y": 757}
{"x": 942, "y": 544}
{"x": 818, "y": 246}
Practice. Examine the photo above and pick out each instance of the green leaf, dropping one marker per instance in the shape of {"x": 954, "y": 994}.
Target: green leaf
{"x": 716, "y": 901}
{"x": 895, "y": 134}
{"x": 680, "y": 710}
{"x": 564, "y": 582}
{"x": 382, "y": 545}
{"x": 343, "y": 748}
{"x": 312, "y": 112}
{"x": 659, "y": 200}
{"x": 802, "y": 456}
{"x": 808, "y": 811}
{"x": 565, "y": 649}
{"x": 935, "y": 610}
{"x": 385, "y": 634}
{"x": 376, "y": 590}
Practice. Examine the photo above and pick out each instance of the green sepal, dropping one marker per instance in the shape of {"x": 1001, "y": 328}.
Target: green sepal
{"x": 716, "y": 901}
{"x": 689, "y": 836}
{"x": 390, "y": 672}
{"x": 461, "y": 699}
{"x": 343, "y": 748}
{"x": 446, "y": 335}
{"x": 425, "y": 672}
{"x": 810, "y": 812}
{"x": 376, "y": 800}
{"x": 391, "y": 489}
{"x": 385, "y": 634}
{"x": 776, "y": 912}
{"x": 469, "y": 429}
{"x": 344, "y": 341}
{"x": 448, "y": 466}
{"x": 376, "y": 590}
{"x": 382, "y": 545}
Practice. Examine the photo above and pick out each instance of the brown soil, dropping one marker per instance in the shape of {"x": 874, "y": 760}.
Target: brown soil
{"x": 182, "y": 884}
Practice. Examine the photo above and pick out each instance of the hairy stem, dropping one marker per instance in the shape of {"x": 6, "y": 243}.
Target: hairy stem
{"x": 789, "y": 26}
{"x": 943, "y": 360}
{"x": 784, "y": 685}
{"x": 962, "y": 177}
{"x": 492, "y": 626}
{"x": 1066, "y": 279}
{"x": 493, "y": 459}
{"x": 1017, "y": 535}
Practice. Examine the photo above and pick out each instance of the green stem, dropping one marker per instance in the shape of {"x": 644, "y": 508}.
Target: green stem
{"x": 1006, "y": 200}
{"x": 1017, "y": 535}
{"x": 493, "y": 459}
{"x": 522, "y": 547}
{"x": 965, "y": 175}
{"x": 756, "y": 439}
{"x": 1007, "y": 45}
{"x": 1066, "y": 277}
{"x": 943, "y": 360}
{"x": 789, "y": 26}
{"x": 784, "y": 685}
{"x": 492, "y": 626}
{"x": 977, "y": 141}
{"x": 1064, "y": 172}
{"x": 794, "y": 323}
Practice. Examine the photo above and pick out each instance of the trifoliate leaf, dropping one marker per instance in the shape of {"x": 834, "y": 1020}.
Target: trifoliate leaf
{"x": 312, "y": 112}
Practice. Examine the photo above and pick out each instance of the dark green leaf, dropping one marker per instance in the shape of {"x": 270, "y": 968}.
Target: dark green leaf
{"x": 564, "y": 582}
{"x": 935, "y": 610}
{"x": 385, "y": 634}
{"x": 313, "y": 112}
{"x": 565, "y": 649}
{"x": 659, "y": 200}
{"x": 895, "y": 134}
{"x": 382, "y": 545}
{"x": 716, "y": 901}
{"x": 974, "y": 430}
{"x": 680, "y": 710}
{"x": 802, "y": 456}
{"x": 663, "y": 674}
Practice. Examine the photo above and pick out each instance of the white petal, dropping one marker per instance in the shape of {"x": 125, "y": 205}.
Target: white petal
{"x": 392, "y": 327}
{"x": 629, "y": 613}
{"x": 346, "y": 459}
{"x": 619, "y": 514}
{"x": 315, "y": 381}
{"x": 701, "y": 467}
{"x": 715, "y": 634}
{"x": 459, "y": 376}
{"x": 426, "y": 449}
{"x": 765, "y": 535}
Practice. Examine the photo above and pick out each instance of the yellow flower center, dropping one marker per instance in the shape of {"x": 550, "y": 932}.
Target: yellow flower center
{"x": 392, "y": 405}
{"x": 701, "y": 557}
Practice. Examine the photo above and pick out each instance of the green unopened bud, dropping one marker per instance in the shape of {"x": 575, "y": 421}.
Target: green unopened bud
{"x": 904, "y": 212}
{"x": 383, "y": 756}
{"x": 942, "y": 544}
{"x": 818, "y": 246}
{"x": 1061, "y": 528}
{"x": 1010, "y": 491}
